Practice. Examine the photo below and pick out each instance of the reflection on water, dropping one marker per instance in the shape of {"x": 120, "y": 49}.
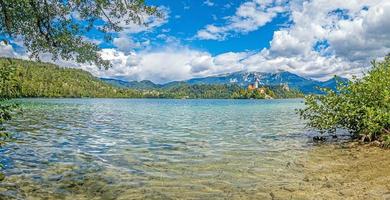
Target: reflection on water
{"x": 169, "y": 149}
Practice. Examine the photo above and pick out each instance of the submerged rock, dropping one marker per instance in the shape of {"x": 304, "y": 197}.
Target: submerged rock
{"x": 319, "y": 139}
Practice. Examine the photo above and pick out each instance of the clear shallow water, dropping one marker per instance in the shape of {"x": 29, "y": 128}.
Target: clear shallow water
{"x": 154, "y": 149}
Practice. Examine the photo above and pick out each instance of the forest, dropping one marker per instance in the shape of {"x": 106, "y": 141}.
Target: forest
{"x": 38, "y": 79}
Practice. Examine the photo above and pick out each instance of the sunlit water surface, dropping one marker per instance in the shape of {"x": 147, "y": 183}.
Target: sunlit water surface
{"x": 155, "y": 149}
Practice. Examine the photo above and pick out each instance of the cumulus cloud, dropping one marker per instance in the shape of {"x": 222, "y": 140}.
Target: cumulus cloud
{"x": 351, "y": 33}
{"x": 249, "y": 16}
{"x": 167, "y": 64}
{"x": 181, "y": 63}
{"x": 325, "y": 38}
{"x": 313, "y": 65}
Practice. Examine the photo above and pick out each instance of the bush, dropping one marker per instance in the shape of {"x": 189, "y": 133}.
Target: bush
{"x": 362, "y": 106}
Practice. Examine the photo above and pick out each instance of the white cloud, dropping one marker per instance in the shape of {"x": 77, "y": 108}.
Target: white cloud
{"x": 249, "y": 16}
{"x": 283, "y": 44}
{"x": 229, "y": 62}
{"x": 159, "y": 65}
{"x": 228, "y": 5}
{"x": 211, "y": 32}
{"x": 325, "y": 38}
{"x": 365, "y": 36}
{"x": 208, "y": 3}
{"x": 312, "y": 65}
{"x": 149, "y": 22}
{"x": 181, "y": 63}
{"x": 167, "y": 64}
{"x": 215, "y": 18}
{"x": 6, "y": 50}
{"x": 355, "y": 32}
{"x": 124, "y": 41}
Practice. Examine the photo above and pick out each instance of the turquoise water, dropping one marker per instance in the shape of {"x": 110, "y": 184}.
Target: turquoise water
{"x": 153, "y": 149}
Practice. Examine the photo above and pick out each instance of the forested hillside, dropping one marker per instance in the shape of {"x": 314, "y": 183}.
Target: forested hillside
{"x": 38, "y": 79}
{"x": 267, "y": 92}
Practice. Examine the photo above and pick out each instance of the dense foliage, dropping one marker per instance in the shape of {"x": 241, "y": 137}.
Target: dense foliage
{"x": 267, "y": 92}
{"x": 57, "y": 27}
{"x": 362, "y": 107}
{"x": 36, "y": 79}
{"x": 201, "y": 91}
{"x": 7, "y": 71}
{"x": 6, "y": 107}
{"x": 212, "y": 91}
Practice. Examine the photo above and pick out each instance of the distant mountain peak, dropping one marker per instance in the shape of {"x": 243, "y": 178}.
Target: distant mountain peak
{"x": 245, "y": 78}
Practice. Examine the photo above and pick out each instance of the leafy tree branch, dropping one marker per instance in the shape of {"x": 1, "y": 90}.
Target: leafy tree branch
{"x": 57, "y": 27}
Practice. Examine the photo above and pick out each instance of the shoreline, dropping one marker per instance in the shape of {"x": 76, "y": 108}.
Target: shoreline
{"x": 325, "y": 171}
{"x": 13, "y": 98}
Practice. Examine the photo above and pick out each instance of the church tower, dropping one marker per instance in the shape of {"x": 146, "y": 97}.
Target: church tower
{"x": 256, "y": 83}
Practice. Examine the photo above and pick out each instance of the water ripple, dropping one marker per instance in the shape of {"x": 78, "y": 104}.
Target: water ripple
{"x": 65, "y": 145}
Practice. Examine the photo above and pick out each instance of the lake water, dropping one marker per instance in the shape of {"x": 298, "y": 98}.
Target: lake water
{"x": 159, "y": 149}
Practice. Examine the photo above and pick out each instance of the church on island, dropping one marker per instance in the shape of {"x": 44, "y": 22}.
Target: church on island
{"x": 255, "y": 86}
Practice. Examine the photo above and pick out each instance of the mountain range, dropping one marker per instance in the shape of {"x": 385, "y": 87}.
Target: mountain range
{"x": 243, "y": 79}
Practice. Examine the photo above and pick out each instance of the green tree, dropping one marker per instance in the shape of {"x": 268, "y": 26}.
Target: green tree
{"x": 362, "y": 107}
{"x": 6, "y": 107}
{"x": 7, "y": 89}
{"x": 58, "y": 27}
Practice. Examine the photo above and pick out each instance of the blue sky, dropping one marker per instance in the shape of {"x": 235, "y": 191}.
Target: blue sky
{"x": 186, "y": 18}
{"x": 312, "y": 38}
{"x": 190, "y": 16}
